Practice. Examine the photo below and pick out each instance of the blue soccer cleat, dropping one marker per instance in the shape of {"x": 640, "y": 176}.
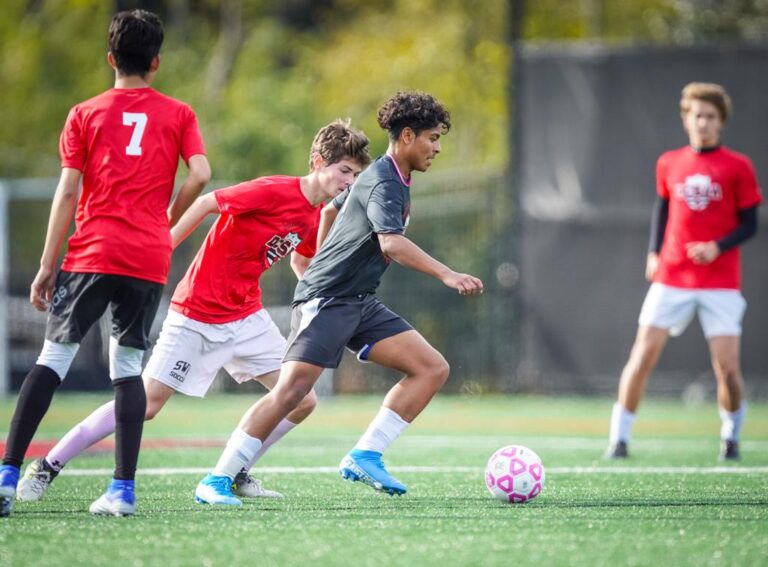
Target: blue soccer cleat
{"x": 367, "y": 467}
{"x": 216, "y": 490}
{"x": 9, "y": 478}
{"x": 118, "y": 500}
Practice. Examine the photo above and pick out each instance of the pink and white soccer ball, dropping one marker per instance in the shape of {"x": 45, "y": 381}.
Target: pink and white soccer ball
{"x": 514, "y": 474}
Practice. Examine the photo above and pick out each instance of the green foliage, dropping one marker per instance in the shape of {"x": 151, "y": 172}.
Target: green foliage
{"x": 290, "y": 67}
{"x": 286, "y": 80}
{"x": 662, "y": 21}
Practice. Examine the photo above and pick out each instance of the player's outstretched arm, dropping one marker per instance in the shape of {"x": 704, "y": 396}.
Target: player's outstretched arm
{"x": 189, "y": 221}
{"x": 62, "y": 210}
{"x": 198, "y": 177}
{"x": 406, "y": 253}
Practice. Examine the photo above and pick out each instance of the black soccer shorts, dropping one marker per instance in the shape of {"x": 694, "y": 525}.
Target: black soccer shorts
{"x": 80, "y": 299}
{"x": 321, "y": 328}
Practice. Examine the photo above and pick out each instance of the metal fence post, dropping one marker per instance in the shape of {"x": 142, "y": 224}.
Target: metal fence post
{"x": 5, "y": 378}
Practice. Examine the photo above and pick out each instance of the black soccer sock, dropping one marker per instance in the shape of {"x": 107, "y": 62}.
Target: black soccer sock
{"x": 34, "y": 400}
{"x": 130, "y": 407}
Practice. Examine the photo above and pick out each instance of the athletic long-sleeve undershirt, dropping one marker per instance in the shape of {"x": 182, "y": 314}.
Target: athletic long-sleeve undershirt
{"x": 745, "y": 230}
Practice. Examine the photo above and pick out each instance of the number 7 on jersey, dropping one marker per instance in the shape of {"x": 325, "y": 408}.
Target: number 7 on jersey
{"x": 139, "y": 120}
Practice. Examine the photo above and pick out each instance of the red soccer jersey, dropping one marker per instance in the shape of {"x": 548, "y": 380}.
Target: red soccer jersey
{"x": 261, "y": 222}
{"x": 705, "y": 190}
{"x": 127, "y": 143}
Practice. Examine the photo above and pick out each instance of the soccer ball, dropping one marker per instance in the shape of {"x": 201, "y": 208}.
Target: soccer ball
{"x": 514, "y": 474}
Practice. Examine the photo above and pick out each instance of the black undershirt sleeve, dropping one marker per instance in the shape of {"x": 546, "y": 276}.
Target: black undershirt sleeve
{"x": 659, "y": 219}
{"x": 745, "y": 230}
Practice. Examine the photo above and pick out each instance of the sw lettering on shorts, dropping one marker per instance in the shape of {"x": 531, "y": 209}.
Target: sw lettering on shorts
{"x": 180, "y": 366}
{"x": 280, "y": 246}
{"x": 59, "y": 296}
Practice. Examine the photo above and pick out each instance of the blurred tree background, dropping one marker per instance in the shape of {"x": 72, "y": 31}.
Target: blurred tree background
{"x": 264, "y": 75}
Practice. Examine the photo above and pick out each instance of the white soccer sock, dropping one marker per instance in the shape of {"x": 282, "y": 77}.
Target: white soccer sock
{"x": 732, "y": 421}
{"x": 383, "y": 430}
{"x": 621, "y": 424}
{"x": 278, "y": 433}
{"x": 240, "y": 449}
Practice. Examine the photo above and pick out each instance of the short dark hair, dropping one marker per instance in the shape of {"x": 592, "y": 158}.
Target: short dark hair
{"x": 339, "y": 140}
{"x": 415, "y": 110}
{"x": 135, "y": 38}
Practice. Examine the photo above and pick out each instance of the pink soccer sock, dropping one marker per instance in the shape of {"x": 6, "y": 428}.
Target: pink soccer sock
{"x": 92, "y": 429}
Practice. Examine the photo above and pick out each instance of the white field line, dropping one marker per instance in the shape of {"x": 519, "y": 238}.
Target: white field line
{"x": 408, "y": 469}
{"x": 570, "y": 443}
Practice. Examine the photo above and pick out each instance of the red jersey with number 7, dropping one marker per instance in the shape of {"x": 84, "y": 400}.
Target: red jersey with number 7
{"x": 126, "y": 143}
{"x": 706, "y": 190}
{"x": 261, "y": 222}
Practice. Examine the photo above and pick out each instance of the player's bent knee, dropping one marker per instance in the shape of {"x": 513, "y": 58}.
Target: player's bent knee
{"x": 290, "y": 396}
{"x": 728, "y": 373}
{"x": 437, "y": 371}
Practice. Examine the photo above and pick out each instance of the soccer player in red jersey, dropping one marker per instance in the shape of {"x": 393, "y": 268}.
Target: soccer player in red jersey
{"x": 125, "y": 145}
{"x": 706, "y": 207}
{"x": 216, "y": 318}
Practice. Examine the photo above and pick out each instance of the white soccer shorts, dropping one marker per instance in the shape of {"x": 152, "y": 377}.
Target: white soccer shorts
{"x": 720, "y": 310}
{"x": 188, "y": 354}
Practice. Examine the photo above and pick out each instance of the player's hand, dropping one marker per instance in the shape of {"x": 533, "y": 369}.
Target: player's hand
{"x": 463, "y": 283}
{"x": 42, "y": 288}
{"x": 702, "y": 252}
{"x": 651, "y": 266}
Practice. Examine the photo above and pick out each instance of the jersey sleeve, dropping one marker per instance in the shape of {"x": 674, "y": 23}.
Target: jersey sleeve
{"x": 191, "y": 138}
{"x": 661, "y": 178}
{"x": 246, "y": 197}
{"x": 72, "y": 145}
{"x": 338, "y": 201}
{"x": 386, "y": 207}
{"x": 749, "y": 191}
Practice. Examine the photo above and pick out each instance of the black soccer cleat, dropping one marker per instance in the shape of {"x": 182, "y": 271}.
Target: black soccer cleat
{"x": 617, "y": 450}
{"x": 729, "y": 451}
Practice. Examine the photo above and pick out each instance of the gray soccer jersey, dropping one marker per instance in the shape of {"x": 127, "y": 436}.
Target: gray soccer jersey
{"x": 350, "y": 261}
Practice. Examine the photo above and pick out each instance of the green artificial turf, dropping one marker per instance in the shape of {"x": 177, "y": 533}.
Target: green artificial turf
{"x": 671, "y": 503}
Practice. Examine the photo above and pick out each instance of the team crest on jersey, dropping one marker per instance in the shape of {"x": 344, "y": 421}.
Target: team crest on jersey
{"x": 280, "y": 246}
{"x": 698, "y": 191}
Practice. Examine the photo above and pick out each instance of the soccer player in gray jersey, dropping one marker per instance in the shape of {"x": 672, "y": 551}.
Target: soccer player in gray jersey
{"x": 335, "y": 304}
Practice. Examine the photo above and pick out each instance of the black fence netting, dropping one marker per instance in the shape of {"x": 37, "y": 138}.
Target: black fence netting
{"x": 591, "y": 122}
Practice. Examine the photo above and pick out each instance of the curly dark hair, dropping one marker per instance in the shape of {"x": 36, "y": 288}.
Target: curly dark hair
{"x": 413, "y": 109}
{"x": 339, "y": 140}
